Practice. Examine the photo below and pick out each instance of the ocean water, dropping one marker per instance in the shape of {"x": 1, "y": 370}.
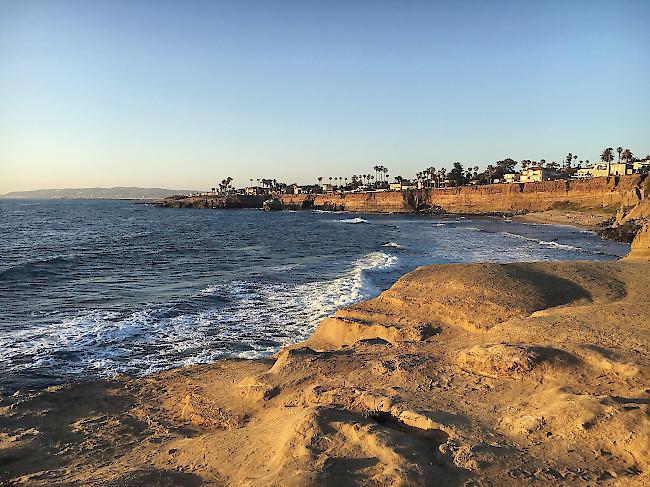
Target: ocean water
{"x": 94, "y": 288}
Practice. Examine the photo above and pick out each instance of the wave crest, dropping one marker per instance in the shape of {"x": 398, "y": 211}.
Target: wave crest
{"x": 352, "y": 220}
{"x": 252, "y": 320}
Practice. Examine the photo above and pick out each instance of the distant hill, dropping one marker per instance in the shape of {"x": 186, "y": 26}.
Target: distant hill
{"x": 128, "y": 193}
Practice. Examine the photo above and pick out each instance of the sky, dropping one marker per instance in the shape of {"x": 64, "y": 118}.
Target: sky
{"x": 183, "y": 94}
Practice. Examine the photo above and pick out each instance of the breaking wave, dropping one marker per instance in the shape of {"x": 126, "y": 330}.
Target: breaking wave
{"x": 251, "y": 320}
{"x": 352, "y": 220}
{"x": 547, "y": 244}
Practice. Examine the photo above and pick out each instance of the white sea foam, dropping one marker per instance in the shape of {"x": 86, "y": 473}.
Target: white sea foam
{"x": 392, "y": 244}
{"x": 352, "y": 220}
{"x": 545, "y": 243}
{"x": 558, "y": 245}
{"x": 254, "y": 321}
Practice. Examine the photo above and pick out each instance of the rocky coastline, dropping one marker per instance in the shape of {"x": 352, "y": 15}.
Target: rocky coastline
{"x": 481, "y": 374}
{"x": 615, "y": 207}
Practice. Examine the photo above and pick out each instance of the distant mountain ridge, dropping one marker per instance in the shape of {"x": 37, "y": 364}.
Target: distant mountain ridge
{"x": 118, "y": 193}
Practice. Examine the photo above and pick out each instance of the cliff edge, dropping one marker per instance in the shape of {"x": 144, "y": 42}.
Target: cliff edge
{"x": 482, "y": 374}
{"x": 640, "y": 248}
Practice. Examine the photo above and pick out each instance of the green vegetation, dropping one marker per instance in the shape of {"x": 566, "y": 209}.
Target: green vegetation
{"x": 568, "y": 206}
{"x": 573, "y": 206}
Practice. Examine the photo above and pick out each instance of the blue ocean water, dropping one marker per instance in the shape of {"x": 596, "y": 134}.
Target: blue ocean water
{"x": 94, "y": 288}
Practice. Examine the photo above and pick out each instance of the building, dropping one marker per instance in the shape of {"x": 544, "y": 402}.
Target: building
{"x": 403, "y": 184}
{"x": 535, "y": 174}
{"x": 603, "y": 170}
{"x": 309, "y": 189}
{"x": 511, "y": 177}
{"x": 327, "y": 188}
{"x": 583, "y": 173}
{"x": 255, "y": 190}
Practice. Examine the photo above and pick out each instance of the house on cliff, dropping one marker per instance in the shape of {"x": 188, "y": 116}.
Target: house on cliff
{"x": 255, "y": 190}
{"x": 536, "y": 174}
{"x": 401, "y": 184}
{"x": 604, "y": 170}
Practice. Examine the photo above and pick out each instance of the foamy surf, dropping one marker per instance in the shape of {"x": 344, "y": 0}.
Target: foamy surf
{"x": 255, "y": 320}
{"x": 548, "y": 244}
{"x": 214, "y": 284}
{"x": 352, "y": 220}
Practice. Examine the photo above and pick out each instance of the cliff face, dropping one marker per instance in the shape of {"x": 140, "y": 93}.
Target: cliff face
{"x": 597, "y": 194}
{"x": 379, "y": 202}
{"x": 635, "y": 205}
{"x": 640, "y": 248}
{"x": 234, "y": 201}
{"x": 623, "y": 193}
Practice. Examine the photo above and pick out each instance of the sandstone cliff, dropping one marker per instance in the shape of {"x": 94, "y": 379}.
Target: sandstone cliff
{"x": 640, "y": 248}
{"x": 599, "y": 194}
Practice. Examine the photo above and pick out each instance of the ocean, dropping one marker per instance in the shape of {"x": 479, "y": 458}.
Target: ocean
{"x": 91, "y": 289}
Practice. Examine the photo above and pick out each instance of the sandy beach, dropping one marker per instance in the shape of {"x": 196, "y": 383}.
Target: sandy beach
{"x": 585, "y": 219}
{"x": 478, "y": 374}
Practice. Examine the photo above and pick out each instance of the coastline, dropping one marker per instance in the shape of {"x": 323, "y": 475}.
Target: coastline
{"x": 614, "y": 206}
{"x": 503, "y": 373}
{"x": 580, "y": 219}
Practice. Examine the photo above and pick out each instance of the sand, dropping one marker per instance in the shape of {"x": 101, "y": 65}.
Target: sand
{"x": 482, "y": 374}
{"x": 591, "y": 220}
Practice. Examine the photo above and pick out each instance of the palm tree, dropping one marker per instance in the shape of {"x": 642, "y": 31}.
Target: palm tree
{"x": 607, "y": 156}
{"x": 320, "y": 178}
{"x": 627, "y": 155}
{"x": 619, "y": 150}
{"x": 567, "y": 160}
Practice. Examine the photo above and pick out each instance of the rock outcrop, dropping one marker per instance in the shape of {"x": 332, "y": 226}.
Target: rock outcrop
{"x": 272, "y": 204}
{"x": 486, "y": 374}
{"x": 640, "y": 248}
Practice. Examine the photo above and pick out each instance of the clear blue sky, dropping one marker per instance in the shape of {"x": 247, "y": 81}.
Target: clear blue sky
{"x": 182, "y": 94}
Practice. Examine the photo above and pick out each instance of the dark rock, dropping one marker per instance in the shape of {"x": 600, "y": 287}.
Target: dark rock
{"x": 272, "y": 205}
